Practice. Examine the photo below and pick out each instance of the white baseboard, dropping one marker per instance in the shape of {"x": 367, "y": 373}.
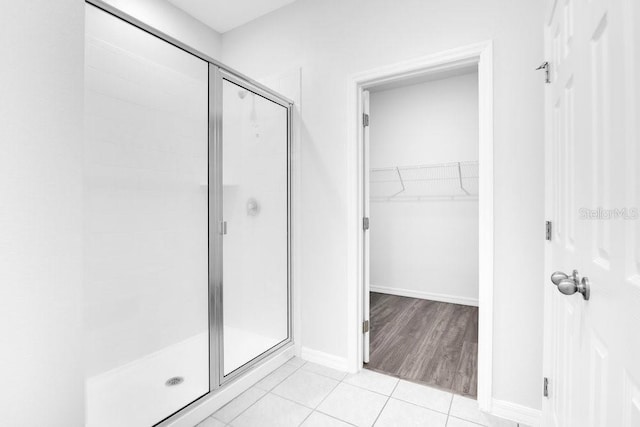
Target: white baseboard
{"x": 425, "y": 295}
{"x": 325, "y": 359}
{"x": 216, "y": 400}
{"x": 515, "y": 412}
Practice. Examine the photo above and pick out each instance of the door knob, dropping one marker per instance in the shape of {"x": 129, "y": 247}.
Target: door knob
{"x": 558, "y": 276}
{"x": 571, "y": 285}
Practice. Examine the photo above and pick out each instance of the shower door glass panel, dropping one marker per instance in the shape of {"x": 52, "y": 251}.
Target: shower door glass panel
{"x": 255, "y": 246}
{"x": 146, "y": 225}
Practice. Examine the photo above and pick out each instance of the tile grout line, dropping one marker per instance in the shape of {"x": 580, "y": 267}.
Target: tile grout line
{"x": 406, "y": 401}
{"x": 325, "y": 398}
{"x": 266, "y": 393}
{"x": 320, "y": 403}
{"x": 449, "y": 411}
{"x": 334, "y": 417}
{"x": 339, "y": 382}
{"x": 323, "y": 375}
{"x": 247, "y": 408}
{"x": 402, "y": 400}
{"x": 282, "y": 380}
{"x": 298, "y": 403}
{"x": 338, "y": 419}
{"x": 293, "y": 401}
{"x": 420, "y": 406}
{"x": 342, "y": 381}
{"x": 270, "y": 391}
{"x": 385, "y": 403}
{"x": 372, "y": 391}
{"x": 305, "y": 418}
{"x": 347, "y": 375}
{"x": 460, "y": 418}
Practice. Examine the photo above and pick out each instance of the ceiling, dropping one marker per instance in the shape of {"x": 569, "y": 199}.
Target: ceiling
{"x": 225, "y": 15}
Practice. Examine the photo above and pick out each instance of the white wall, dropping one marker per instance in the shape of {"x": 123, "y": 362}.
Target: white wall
{"x": 331, "y": 41}
{"x": 427, "y": 248}
{"x": 41, "y": 97}
{"x": 174, "y": 22}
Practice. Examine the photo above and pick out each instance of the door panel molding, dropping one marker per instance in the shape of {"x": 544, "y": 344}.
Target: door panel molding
{"x": 590, "y": 356}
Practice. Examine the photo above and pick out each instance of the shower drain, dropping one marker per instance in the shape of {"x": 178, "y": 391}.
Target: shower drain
{"x": 174, "y": 381}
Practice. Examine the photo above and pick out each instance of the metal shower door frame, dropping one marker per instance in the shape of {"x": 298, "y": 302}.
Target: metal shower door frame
{"x": 217, "y": 73}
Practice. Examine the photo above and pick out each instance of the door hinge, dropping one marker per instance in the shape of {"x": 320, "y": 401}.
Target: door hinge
{"x": 365, "y": 120}
{"x": 547, "y": 73}
{"x": 365, "y": 223}
{"x": 223, "y": 227}
{"x": 545, "y": 387}
{"x": 365, "y": 326}
{"x": 547, "y": 234}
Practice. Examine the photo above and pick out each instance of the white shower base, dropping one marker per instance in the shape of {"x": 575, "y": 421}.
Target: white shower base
{"x": 135, "y": 394}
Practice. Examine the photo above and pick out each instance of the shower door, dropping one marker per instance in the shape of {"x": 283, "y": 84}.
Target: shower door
{"x": 253, "y": 223}
{"x": 146, "y": 287}
{"x": 186, "y": 223}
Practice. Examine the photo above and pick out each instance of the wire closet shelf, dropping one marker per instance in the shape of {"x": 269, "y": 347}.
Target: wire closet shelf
{"x": 442, "y": 181}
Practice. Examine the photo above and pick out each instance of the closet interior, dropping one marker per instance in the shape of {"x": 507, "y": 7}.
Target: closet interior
{"x": 423, "y": 174}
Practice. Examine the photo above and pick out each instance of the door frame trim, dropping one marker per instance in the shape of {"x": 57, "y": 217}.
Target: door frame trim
{"x": 482, "y": 55}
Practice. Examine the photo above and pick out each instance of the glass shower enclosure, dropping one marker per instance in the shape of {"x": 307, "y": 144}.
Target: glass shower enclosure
{"x": 186, "y": 222}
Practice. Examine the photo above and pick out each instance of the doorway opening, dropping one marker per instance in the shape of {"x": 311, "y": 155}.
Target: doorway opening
{"x": 421, "y": 199}
{"x": 425, "y": 202}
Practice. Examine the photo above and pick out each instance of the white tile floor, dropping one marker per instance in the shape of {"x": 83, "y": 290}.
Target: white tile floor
{"x": 306, "y": 394}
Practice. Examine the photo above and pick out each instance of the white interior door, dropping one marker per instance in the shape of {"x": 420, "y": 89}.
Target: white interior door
{"x": 592, "y": 347}
{"x": 366, "y": 212}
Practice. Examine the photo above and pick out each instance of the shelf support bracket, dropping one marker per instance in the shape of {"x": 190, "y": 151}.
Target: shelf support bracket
{"x": 460, "y": 178}
{"x": 401, "y": 183}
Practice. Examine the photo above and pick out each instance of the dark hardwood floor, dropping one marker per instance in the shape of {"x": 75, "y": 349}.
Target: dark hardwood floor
{"x": 424, "y": 341}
